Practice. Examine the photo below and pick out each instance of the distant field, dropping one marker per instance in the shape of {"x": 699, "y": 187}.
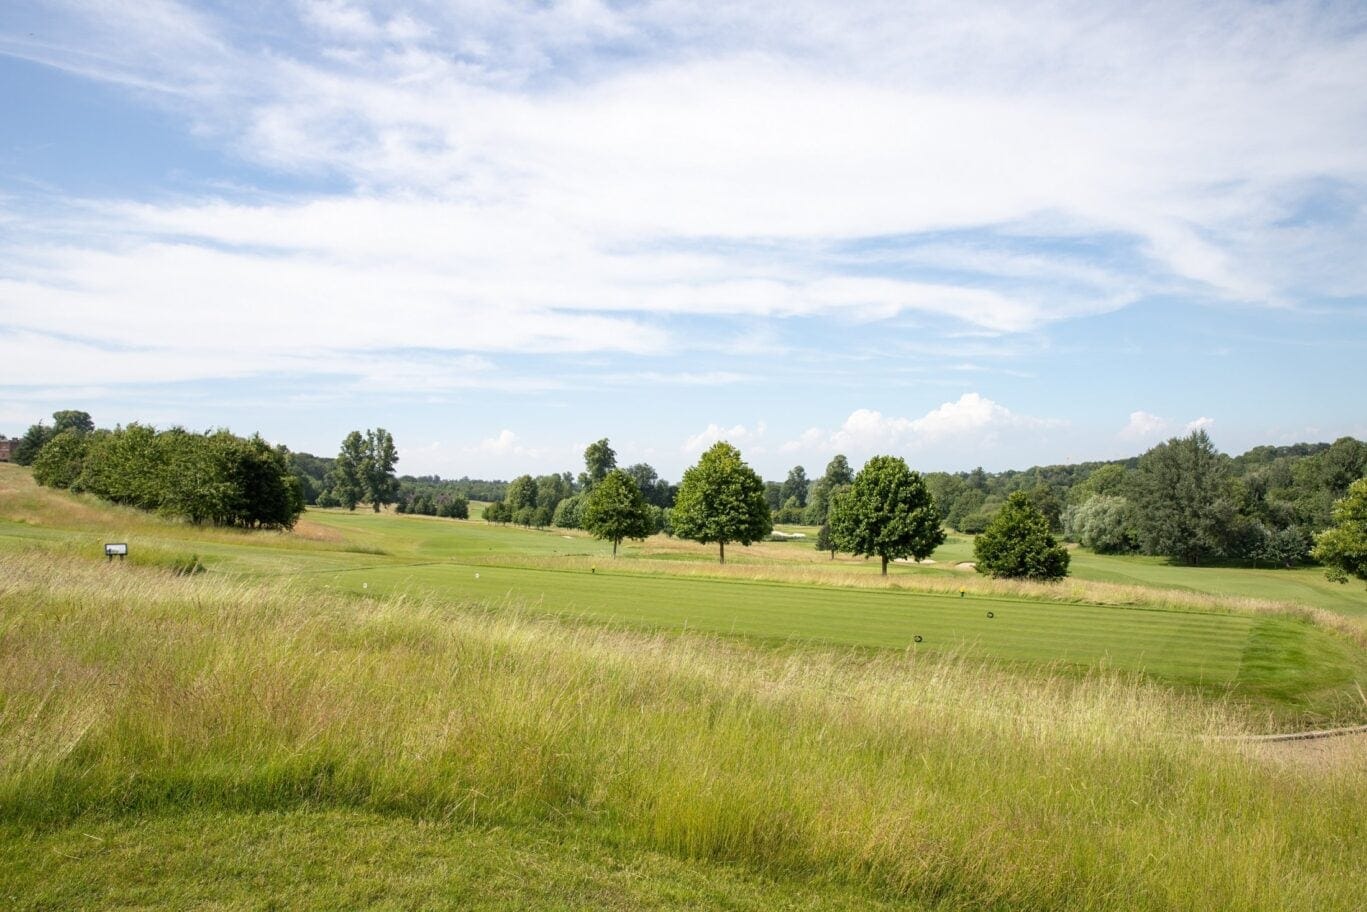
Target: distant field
{"x": 799, "y": 595}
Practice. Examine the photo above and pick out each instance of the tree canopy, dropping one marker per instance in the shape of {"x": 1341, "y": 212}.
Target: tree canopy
{"x": 1017, "y": 543}
{"x": 794, "y": 487}
{"x": 616, "y": 509}
{"x": 886, "y": 512}
{"x": 721, "y": 500}
{"x": 599, "y": 460}
{"x": 1342, "y": 548}
{"x": 1182, "y": 499}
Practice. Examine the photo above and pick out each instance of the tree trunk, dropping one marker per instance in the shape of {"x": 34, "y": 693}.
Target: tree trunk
{"x": 722, "y": 552}
{"x": 885, "y": 565}
{"x": 614, "y": 546}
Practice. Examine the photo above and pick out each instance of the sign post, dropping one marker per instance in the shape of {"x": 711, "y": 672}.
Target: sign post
{"x": 115, "y": 549}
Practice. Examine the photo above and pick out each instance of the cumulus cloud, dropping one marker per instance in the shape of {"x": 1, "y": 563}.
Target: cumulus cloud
{"x": 1143, "y": 425}
{"x": 737, "y": 434}
{"x": 971, "y": 417}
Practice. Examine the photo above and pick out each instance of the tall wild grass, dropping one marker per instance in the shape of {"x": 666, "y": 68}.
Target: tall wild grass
{"x": 126, "y": 690}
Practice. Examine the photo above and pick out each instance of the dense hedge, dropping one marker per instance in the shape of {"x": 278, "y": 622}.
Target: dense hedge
{"x": 216, "y": 478}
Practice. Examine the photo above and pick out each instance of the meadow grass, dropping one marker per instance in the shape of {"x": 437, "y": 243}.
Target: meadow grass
{"x": 1289, "y": 664}
{"x": 131, "y": 695}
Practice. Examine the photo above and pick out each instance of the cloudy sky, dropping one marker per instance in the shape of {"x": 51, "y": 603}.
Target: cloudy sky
{"x": 966, "y": 234}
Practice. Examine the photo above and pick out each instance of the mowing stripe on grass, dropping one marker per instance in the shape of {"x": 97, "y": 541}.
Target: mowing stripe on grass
{"x": 1193, "y": 647}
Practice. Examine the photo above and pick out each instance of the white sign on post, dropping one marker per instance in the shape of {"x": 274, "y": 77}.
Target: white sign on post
{"x": 119, "y": 549}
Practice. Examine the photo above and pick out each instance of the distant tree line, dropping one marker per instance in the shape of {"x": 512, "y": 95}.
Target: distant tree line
{"x": 1181, "y": 499}
{"x": 317, "y": 480}
{"x": 214, "y": 477}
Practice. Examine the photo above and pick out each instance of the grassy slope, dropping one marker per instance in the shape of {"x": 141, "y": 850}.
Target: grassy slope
{"x": 170, "y": 742}
{"x": 1281, "y": 665}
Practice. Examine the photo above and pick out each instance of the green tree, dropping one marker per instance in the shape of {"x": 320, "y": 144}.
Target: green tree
{"x": 31, "y": 444}
{"x": 838, "y": 472}
{"x": 346, "y": 480}
{"x": 773, "y": 495}
{"x": 377, "y": 469}
{"x": 567, "y": 513}
{"x": 654, "y": 489}
{"x": 61, "y": 460}
{"x": 1048, "y": 503}
{"x": 837, "y": 475}
{"x": 1107, "y": 479}
{"x": 455, "y": 507}
{"x": 886, "y": 512}
{"x": 1342, "y": 548}
{"x": 790, "y": 512}
{"x": 599, "y": 460}
{"x": 616, "y": 509}
{"x": 1104, "y": 523}
{"x": 721, "y": 500}
{"x": 1018, "y": 543}
{"x": 1181, "y": 494}
{"x": 794, "y": 487}
{"x": 521, "y": 494}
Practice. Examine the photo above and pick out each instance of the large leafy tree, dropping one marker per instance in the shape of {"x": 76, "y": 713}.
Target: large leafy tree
{"x": 1342, "y": 548}
{"x": 721, "y": 500}
{"x": 1182, "y": 498}
{"x": 615, "y": 509}
{"x": 1103, "y": 523}
{"x": 1017, "y": 543}
{"x": 886, "y": 512}
{"x": 346, "y": 478}
{"x": 377, "y": 469}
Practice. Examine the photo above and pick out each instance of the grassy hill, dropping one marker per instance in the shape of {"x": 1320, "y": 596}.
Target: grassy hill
{"x": 345, "y": 717}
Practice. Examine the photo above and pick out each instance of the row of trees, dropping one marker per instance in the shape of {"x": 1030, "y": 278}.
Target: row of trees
{"x": 215, "y": 477}
{"x": 884, "y": 511}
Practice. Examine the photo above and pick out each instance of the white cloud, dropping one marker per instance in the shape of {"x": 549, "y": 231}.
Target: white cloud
{"x": 971, "y": 418}
{"x": 505, "y": 442}
{"x": 1199, "y": 424}
{"x": 737, "y": 435}
{"x": 518, "y": 182}
{"x": 1143, "y": 425}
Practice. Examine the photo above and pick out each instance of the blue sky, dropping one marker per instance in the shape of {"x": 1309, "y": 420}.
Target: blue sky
{"x": 968, "y": 234}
